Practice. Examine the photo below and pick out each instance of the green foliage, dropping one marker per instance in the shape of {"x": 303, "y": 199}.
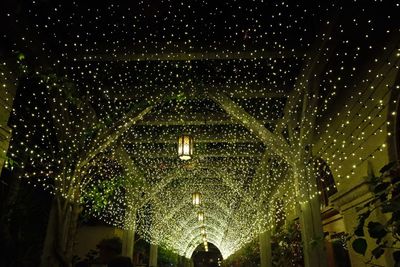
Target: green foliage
{"x": 248, "y": 255}
{"x": 101, "y": 192}
{"x": 166, "y": 257}
{"x": 9, "y": 162}
{"x": 360, "y": 245}
{"x": 386, "y": 190}
{"x": 21, "y": 56}
{"x": 21, "y": 60}
{"x": 180, "y": 96}
{"x": 287, "y": 249}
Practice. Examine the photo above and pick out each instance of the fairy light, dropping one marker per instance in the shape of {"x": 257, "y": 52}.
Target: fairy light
{"x": 59, "y": 118}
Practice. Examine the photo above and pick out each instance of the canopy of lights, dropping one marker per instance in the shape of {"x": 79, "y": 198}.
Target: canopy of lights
{"x": 171, "y": 117}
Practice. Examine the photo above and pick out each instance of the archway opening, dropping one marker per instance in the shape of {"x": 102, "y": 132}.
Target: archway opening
{"x": 210, "y": 258}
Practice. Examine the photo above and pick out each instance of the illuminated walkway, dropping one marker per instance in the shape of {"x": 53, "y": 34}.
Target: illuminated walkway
{"x": 199, "y": 133}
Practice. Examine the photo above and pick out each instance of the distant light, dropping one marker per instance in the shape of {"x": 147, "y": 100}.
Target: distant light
{"x": 196, "y": 197}
{"x": 200, "y": 216}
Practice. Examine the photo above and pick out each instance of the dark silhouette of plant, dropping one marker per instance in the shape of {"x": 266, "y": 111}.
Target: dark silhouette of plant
{"x": 287, "y": 249}
{"x": 386, "y": 199}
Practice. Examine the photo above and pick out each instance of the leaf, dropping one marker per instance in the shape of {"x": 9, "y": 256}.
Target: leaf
{"x": 387, "y": 167}
{"x": 377, "y": 252}
{"x": 360, "y": 245}
{"x": 180, "y": 96}
{"x": 376, "y": 230}
{"x": 363, "y": 216}
{"x": 381, "y": 187}
{"x": 390, "y": 206}
{"x": 21, "y": 56}
{"x": 382, "y": 197}
{"x": 359, "y": 231}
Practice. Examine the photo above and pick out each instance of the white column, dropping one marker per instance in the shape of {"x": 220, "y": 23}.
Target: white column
{"x": 153, "y": 255}
{"x": 128, "y": 242}
{"x": 312, "y": 234}
{"x": 265, "y": 249}
{"x": 128, "y": 236}
{"x": 188, "y": 262}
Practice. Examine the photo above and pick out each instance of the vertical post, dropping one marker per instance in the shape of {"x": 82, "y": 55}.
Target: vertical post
{"x": 153, "y": 255}
{"x": 310, "y": 221}
{"x": 184, "y": 262}
{"x": 128, "y": 241}
{"x": 312, "y": 234}
{"x": 46, "y": 259}
{"x": 188, "y": 262}
{"x": 265, "y": 249}
{"x": 128, "y": 237}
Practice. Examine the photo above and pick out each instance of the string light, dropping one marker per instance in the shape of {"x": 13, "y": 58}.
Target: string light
{"x": 123, "y": 106}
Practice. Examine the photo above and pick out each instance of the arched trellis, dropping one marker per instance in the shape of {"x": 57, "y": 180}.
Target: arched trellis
{"x": 216, "y": 203}
{"x": 196, "y": 240}
{"x": 188, "y": 206}
{"x": 175, "y": 231}
{"x": 209, "y": 229}
{"x": 225, "y": 240}
{"x": 192, "y": 223}
{"x": 227, "y": 179}
{"x": 182, "y": 228}
{"x": 191, "y": 234}
{"x": 278, "y": 146}
{"x": 185, "y": 201}
{"x": 187, "y": 193}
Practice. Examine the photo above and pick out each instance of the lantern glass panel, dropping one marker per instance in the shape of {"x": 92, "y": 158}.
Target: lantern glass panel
{"x": 196, "y": 198}
{"x": 185, "y": 147}
{"x": 200, "y": 216}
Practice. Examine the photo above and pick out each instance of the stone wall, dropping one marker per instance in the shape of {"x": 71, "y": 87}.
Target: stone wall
{"x": 89, "y": 236}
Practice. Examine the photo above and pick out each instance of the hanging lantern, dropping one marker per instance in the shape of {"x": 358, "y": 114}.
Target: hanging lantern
{"x": 196, "y": 196}
{"x": 185, "y": 147}
{"x": 203, "y": 231}
{"x": 200, "y": 216}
